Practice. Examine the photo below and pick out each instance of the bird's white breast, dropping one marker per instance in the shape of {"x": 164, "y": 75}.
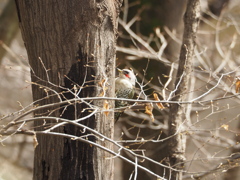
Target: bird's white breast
{"x": 121, "y": 83}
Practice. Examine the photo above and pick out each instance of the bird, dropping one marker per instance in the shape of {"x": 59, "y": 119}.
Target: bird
{"x": 124, "y": 88}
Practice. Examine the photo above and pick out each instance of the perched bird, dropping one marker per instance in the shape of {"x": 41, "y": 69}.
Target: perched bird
{"x": 124, "y": 88}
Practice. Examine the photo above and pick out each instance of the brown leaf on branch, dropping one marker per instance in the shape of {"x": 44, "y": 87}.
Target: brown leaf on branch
{"x": 159, "y": 105}
{"x": 237, "y": 84}
{"x": 225, "y": 126}
{"x": 104, "y": 88}
{"x": 106, "y": 107}
{"x": 101, "y": 83}
{"x": 35, "y": 141}
{"x": 149, "y": 109}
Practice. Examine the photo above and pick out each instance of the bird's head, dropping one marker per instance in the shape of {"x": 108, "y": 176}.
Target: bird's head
{"x": 127, "y": 74}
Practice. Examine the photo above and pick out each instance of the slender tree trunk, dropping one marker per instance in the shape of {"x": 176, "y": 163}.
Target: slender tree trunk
{"x": 177, "y": 143}
{"x": 71, "y": 44}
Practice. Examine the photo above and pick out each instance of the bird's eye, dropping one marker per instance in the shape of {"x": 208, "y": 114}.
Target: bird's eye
{"x": 125, "y": 72}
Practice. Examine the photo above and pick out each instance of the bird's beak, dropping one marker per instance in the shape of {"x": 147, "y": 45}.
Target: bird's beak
{"x": 119, "y": 70}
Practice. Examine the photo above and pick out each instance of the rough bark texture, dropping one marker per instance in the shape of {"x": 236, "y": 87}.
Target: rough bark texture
{"x": 76, "y": 42}
{"x": 177, "y": 143}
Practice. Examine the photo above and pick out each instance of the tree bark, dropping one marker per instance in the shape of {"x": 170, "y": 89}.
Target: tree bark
{"x": 177, "y": 143}
{"x": 71, "y": 44}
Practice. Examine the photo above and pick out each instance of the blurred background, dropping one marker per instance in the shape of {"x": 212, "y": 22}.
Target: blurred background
{"x": 150, "y": 33}
{"x": 16, "y": 153}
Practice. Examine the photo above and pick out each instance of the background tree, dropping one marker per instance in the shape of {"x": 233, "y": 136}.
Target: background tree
{"x": 178, "y": 113}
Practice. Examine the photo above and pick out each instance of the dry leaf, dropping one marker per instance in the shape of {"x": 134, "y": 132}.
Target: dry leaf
{"x": 35, "y": 141}
{"x": 237, "y": 84}
{"x": 148, "y": 110}
{"x": 102, "y": 83}
{"x": 225, "y": 126}
{"x": 106, "y": 107}
{"x": 101, "y": 94}
{"x": 104, "y": 88}
{"x": 159, "y": 105}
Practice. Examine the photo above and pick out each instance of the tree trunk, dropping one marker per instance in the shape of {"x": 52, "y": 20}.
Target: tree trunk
{"x": 177, "y": 143}
{"x": 71, "y": 46}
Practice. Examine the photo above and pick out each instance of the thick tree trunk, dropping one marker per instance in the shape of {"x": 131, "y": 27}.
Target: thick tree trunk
{"x": 76, "y": 43}
{"x": 177, "y": 143}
